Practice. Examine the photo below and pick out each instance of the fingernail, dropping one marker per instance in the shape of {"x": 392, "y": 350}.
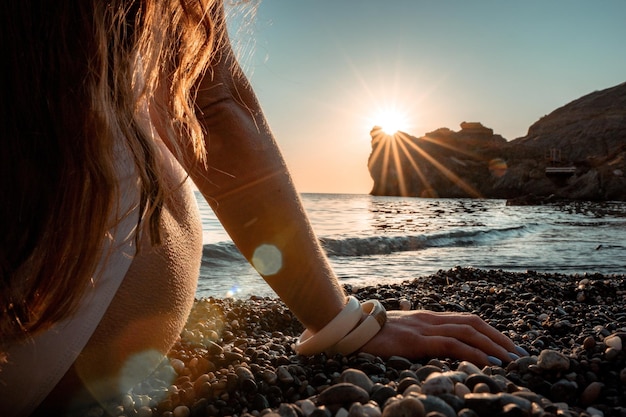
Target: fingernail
{"x": 494, "y": 361}
{"x": 513, "y": 356}
{"x": 521, "y": 351}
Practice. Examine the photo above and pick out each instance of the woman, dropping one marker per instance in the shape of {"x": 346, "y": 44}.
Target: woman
{"x": 108, "y": 108}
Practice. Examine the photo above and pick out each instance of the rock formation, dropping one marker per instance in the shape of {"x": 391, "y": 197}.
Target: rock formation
{"x": 576, "y": 152}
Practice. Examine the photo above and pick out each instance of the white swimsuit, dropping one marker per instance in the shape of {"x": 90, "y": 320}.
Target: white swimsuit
{"x": 36, "y": 365}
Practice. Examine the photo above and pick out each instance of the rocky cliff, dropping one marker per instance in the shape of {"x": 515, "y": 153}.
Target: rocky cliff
{"x": 576, "y": 152}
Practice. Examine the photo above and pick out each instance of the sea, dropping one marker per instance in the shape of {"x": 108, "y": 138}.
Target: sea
{"x": 373, "y": 240}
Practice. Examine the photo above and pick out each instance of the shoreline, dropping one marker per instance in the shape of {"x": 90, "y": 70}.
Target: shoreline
{"x": 235, "y": 356}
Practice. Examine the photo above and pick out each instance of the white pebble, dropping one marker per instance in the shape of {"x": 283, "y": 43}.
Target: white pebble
{"x": 594, "y": 412}
{"x": 614, "y": 341}
{"x": 405, "y": 304}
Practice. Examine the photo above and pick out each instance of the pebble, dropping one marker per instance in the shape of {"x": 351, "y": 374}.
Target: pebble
{"x": 404, "y": 407}
{"x": 343, "y": 393}
{"x": 423, "y": 372}
{"x": 492, "y": 384}
{"x": 461, "y": 390}
{"x": 614, "y": 341}
{"x": 364, "y": 410}
{"x": 435, "y": 404}
{"x": 589, "y": 343}
{"x": 481, "y": 387}
{"x": 231, "y": 360}
{"x": 591, "y": 393}
{"x": 182, "y": 411}
{"x": 307, "y": 406}
{"x": 469, "y": 368}
{"x": 358, "y": 378}
{"x": 594, "y": 412}
{"x": 283, "y": 375}
{"x": 437, "y": 384}
{"x": 551, "y": 360}
{"x": 382, "y": 393}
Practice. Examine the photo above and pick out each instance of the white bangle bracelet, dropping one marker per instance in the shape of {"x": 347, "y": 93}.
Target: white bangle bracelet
{"x": 310, "y": 343}
{"x": 377, "y": 316}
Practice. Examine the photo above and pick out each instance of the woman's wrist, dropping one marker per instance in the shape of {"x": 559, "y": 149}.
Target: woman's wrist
{"x": 310, "y": 343}
{"x": 365, "y": 331}
{"x": 347, "y": 332}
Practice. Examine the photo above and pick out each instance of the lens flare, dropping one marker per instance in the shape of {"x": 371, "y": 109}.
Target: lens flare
{"x": 267, "y": 259}
{"x": 498, "y": 167}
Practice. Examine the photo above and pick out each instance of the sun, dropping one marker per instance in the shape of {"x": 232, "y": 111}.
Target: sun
{"x": 391, "y": 120}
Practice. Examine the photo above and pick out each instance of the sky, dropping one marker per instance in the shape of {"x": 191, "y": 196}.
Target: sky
{"x": 327, "y": 71}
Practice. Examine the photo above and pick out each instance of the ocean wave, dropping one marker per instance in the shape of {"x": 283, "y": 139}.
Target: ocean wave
{"x": 381, "y": 245}
{"x": 220, "y": 253}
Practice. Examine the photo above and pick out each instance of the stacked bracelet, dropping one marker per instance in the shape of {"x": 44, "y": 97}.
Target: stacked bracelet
{"x": 364, "y": 332}
{"x": 313, "y": 343}
{"x": 342, "y": 335}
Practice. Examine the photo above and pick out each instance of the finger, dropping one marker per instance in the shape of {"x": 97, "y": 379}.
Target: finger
{"x": 445, "y": 346}
{"x": 478, "y": 324}
{"x": 470, "y": 336}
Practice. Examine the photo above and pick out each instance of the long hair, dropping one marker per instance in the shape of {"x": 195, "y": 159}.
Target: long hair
{"x": 76, "y": 75}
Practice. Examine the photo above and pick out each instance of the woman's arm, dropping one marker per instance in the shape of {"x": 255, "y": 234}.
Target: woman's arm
{"x": 247, "y": 184}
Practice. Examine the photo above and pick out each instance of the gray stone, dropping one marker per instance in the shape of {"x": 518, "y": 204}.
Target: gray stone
{"x": 437, "y": 384}
{"x": 283, "y": 374}
{"x": 423, "y": 372}
{"x": 551, "y": 360}
{"x": 358, "y": 378}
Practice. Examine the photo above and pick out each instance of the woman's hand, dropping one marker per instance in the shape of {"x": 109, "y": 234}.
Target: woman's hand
{"x": 421, "y": 334}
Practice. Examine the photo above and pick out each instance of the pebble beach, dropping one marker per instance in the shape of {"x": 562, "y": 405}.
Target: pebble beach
{"x": 235, "y": 357}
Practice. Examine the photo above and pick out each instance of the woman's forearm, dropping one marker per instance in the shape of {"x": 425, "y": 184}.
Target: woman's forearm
{"x": 247, "y": 184}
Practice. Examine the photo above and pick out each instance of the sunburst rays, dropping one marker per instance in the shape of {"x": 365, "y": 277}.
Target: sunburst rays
{"x": 391, "y": 152}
